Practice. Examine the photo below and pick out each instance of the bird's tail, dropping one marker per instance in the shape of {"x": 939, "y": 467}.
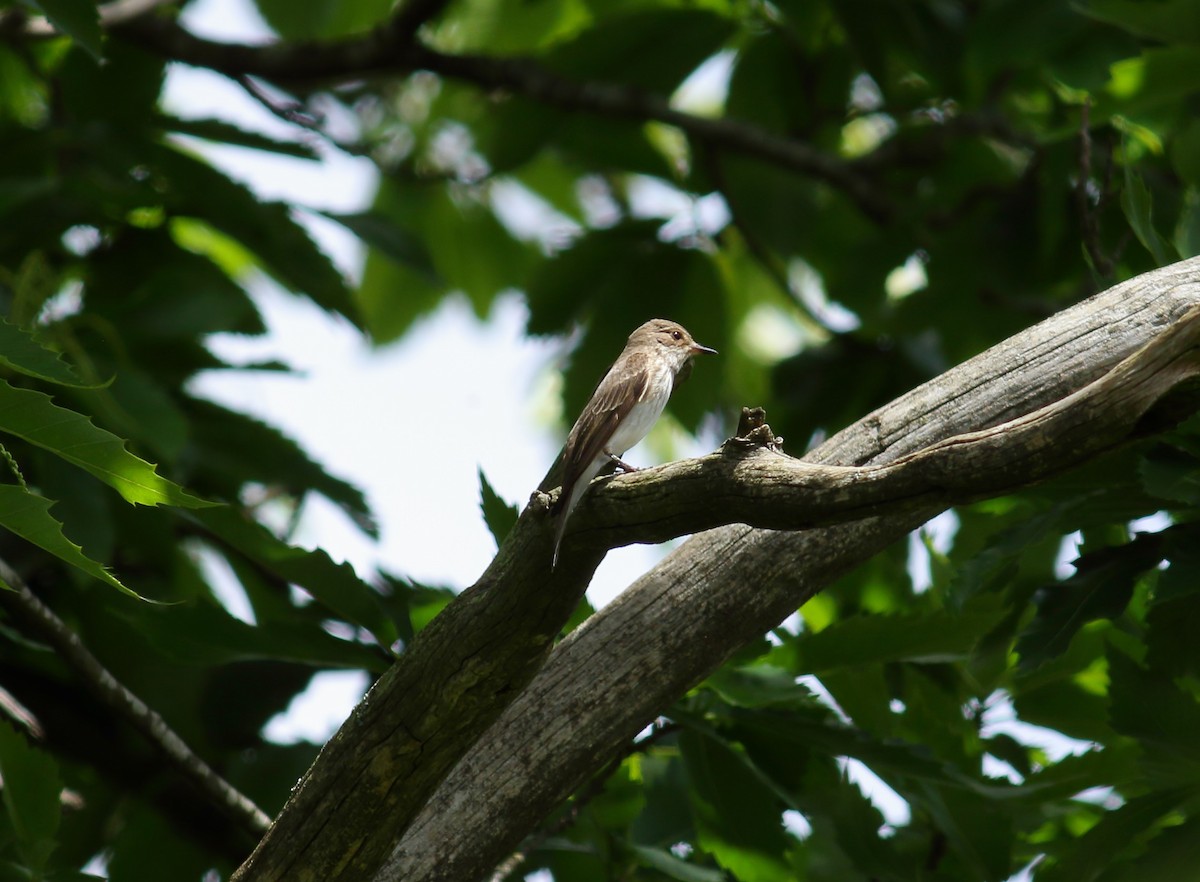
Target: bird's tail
{"x": 566, "y": 504}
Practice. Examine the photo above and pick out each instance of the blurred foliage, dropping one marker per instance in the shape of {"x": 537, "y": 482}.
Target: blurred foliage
{"x": 1018, "y": 155}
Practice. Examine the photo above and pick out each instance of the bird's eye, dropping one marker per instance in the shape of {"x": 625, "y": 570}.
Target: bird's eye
{"x": 677, "y": 335}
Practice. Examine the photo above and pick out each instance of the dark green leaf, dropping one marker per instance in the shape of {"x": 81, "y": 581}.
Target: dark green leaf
{"x": 1172, "y": 21}
{"x": 1148, "y": 706}
{"x": 78, "y": 19}
{"x": 499, "y": 516}
{"x": 234, "y": 448}
{"x": 390, "y": 239}
{"x": 1100, "y": 588}
{"x": 1117, "y": 833}
{"x": 266, "y": 228}
{"x": 34, "y": 417}
{"x": 674, "y": 868}
{"x": 32, "y": 798}
{"x": 20, "y": 351}
{"x": 738, "y": 819}
{"x": 334, "y": 585}
{"x": 937, "y": 635}
{"x": 28, "y": 516}
{"x": 1138, "y": 204}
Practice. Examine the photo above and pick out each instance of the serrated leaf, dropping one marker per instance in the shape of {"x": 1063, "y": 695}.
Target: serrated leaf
{"x": 31, "y": 793}
{"x": 936, "y": 635}
{"x": 335, "y": 585}
{"x": 21, "y": 352}
{"x": 499, "y": 516}
{"x": 78, "y": 19}
{"x": 240, "y": 448}
{"x": 28, "y": 516}
{"x": 738, "y": 818}
{"x": 389, "y": 238}
{"x": 283, "y": 247}
{"x": 202, "y": 633}
{"x": 35, "y": 418}
{"x": 1118, "y": 830}
{"x": 1100, "y": 588}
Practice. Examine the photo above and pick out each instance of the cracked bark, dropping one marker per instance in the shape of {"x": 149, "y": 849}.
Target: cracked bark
{"x": 678, "y": 623}
{"x": 365, "y": 809}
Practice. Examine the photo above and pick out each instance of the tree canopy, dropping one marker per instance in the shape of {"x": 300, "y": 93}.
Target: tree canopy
{"x": 851, "y": 201}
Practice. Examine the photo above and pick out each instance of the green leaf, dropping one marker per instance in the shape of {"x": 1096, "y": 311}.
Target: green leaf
{"x": 34, "y": 417}
{"x": 203, "y": 633}
{"x": 738, "y": 819}
{"x": 236, "y": 448}
{"x": 1138, "y": 205}
{"x": 1169, "y": 21}
{"x": 1172, "y": 855}
{"x": 28, "y": 516}
{"x": 675, "y": 868}
{"x": 1173, "y": 625}
{"x": 389, "y": 238}
{"x": 1115, "y": 833}
{"x": 1147, "y": 706}
{"x": 1100, "y": 588}
{"x": 322, "y": 19}
{"x": 499, "y": 516}
{"x": 78, "y": 19}
{"x": 335, "y": 585}
{"x": 936, "y": 635}
{"x": 20, "y": 351}
{"x": 266, "y": 228}
{"x": 32, "y": 792}
{"x": 758, "y": 686}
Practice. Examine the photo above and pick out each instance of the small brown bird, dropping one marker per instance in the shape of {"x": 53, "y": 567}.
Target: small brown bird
{"x": 623, "y": 409}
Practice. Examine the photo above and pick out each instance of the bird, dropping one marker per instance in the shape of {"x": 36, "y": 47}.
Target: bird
{"x": 625, "y": 406}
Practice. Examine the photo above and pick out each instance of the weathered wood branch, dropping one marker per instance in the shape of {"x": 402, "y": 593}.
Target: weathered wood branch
{"x": 761, "y": 487}
{"x": 678, "y": 623}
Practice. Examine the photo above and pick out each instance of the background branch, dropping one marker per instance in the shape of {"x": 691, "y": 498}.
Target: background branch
{"x": 391, "y": 49}
{"x": 42, "y": 621}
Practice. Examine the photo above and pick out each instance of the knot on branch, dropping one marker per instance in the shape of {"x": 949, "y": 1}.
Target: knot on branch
{"x": 753, "y": 432}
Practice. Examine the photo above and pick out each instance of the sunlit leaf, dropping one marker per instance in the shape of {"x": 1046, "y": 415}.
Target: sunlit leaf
{"x": 34, "y": 417}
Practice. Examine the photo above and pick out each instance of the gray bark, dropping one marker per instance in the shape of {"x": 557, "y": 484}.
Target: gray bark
{"x": 722, "y": 588}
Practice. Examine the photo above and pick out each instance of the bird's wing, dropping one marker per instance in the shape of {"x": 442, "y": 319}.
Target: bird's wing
{"x": 609, "y": 404}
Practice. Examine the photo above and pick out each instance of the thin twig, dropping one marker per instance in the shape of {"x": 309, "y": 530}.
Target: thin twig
{"x": 381, "y": 51}
{"x": 50, "y": 628}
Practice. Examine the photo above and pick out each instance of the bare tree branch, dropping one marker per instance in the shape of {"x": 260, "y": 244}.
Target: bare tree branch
{"x": 49, "y": 627}
{"x": 391, "y": 50}
{"x": 724, "y": 587}
{"x": 373, "y": 778}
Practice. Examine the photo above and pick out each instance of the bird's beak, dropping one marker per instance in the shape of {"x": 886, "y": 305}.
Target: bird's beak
{"x": 697, "y": 349}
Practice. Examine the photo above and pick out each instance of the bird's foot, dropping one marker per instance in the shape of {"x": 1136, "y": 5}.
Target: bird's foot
{"x": 621, "y": 464}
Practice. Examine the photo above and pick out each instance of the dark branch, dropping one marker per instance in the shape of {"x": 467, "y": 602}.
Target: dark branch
{"x": 390, "y": 50}
{"x": 50, "y": 628}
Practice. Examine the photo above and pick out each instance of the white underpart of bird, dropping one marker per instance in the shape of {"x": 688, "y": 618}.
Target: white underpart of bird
{"x": 623, "y": 409}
